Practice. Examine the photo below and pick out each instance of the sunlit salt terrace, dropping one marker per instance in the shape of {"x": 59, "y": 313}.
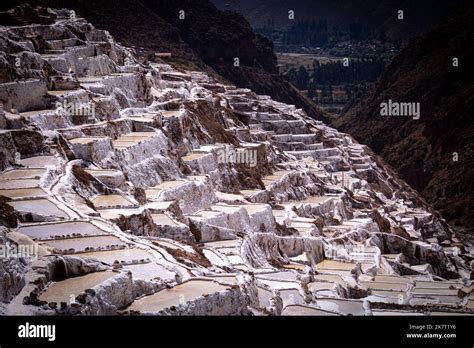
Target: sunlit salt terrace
{"x": 39, "y": 161}
{"x": 86, "y": 140}
{"x": 66, "y": 290}
{"x": 299, "y": 310}
{"x": 75, "y": 245}
{"x": 23, "y": 193}
{"x": 47, "y": 231}
{"x": 29, "y": 173}
{"x": 146, "y": 193}
{"x": 110, "y": 201}
{"x": 170, "y": 113}
{"x": 39, "y": 206}
{"x": 180, "y": 294}
{"x": 150, "y": 271}
{"x": 132, "y": 139}
{"x": 126, "y": 255}
{"x": 155, "y": 192}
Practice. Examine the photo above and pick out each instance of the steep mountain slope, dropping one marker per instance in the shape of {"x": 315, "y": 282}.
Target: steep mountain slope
{"x": 207, "y": 39}
{"x": 422, "y": 150}
{"x": 218, "y": 37}
{"x": 128, "y": 187}
{"x": 373, "y": 15}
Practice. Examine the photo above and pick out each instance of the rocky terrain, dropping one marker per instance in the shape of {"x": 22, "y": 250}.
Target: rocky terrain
{"x": 435, "y": 153}
{"x": 134, "y": 188}
{"x": 373, "y": 17}
{"x": 206, "y": 39}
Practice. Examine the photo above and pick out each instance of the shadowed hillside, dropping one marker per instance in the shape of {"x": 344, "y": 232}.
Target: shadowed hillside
{"x": 422, "y": 150}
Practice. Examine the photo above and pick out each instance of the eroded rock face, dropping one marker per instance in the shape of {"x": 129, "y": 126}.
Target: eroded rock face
{"x": 13, "y": 267}
{"x": 137, "y": 178}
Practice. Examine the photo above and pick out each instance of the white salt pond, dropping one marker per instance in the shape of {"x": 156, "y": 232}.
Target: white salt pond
{"x": 19, "y": 183}
{"x": 39, "y": 161}
{"x": 291, "y": 296}
{"x": 331, "y": 278}
{"x": 335, "y": 265}
{"x": 434, "y": 291}
{"x": 80, "y": 244}
{"x": 316, "y": 286}
{"x": 175, "y": 296}
{"x": 110, "y": 256}
{"x": 66, "y": 290}
{"x": 385, "y": 286}
{"x": 215, "y": 259}
{"x": 345, "y": 307}
{"x": 42, "y": 207}
{"x": 106, "y": 201}
{"x": 23, "y": 174}
{"x": 163, "y": 220}
{"x": 264, "y": 297}
{"x": 149, "y": 271}
{"x": 294, "y": 310}
{"x": 23, "y": 193}
{"x": 392, "y": 279}
{"x": 47, "y": 231}
{"x": 229, "y": 243}
{"x": 283, "y": 275}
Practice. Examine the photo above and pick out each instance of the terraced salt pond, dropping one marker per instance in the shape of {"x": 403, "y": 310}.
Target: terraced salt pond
{"x": 155, "y": 192}
{"x": 86, "y": 140}
{"x": 229, "y": 243}
{"x": 112, "y": 214}
{"x": 434, "y": 291}
{"x": 149, "y": 271}
{"x": 264, "y": 297}
{"x": 316, "y": 286}
{"x": 284, "y": 275}
{"x": 65, "y": 290}
{"x": 80, "y": 244}
{"x": 225, "y": 278}
{"x": 131, "y": 139}
{"x": 39, "y": 161}
{"x": 291, "y": 296}
{"x": 175, "y": 296}
{"x": 392, "y": 279}
{"x": 435, "y": 299}
{"x": 331, "y": 278}
{"x": 333, "y": 265}
{"x": 19, "y": 184}
{"x": 438, "y": 284}
{"x": 23, "y": 174}
{"x": 163, "y": 220}
{"x": 23, "y": 193}
{"x": 293, "y": 310}
{"x": 215, "y": 259}
{"x": 385, "y": 286}
{"x": 39, "y": 206}
{"x": 345, "y": 307}
{"x": 107, "y": 201}
{"x": 110, "y": 256}
{"x": 277, "y": 284}
{"x": 389, "y": 293}
{"x": 47, "y": 231}
{"x": 170, "y": 113}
